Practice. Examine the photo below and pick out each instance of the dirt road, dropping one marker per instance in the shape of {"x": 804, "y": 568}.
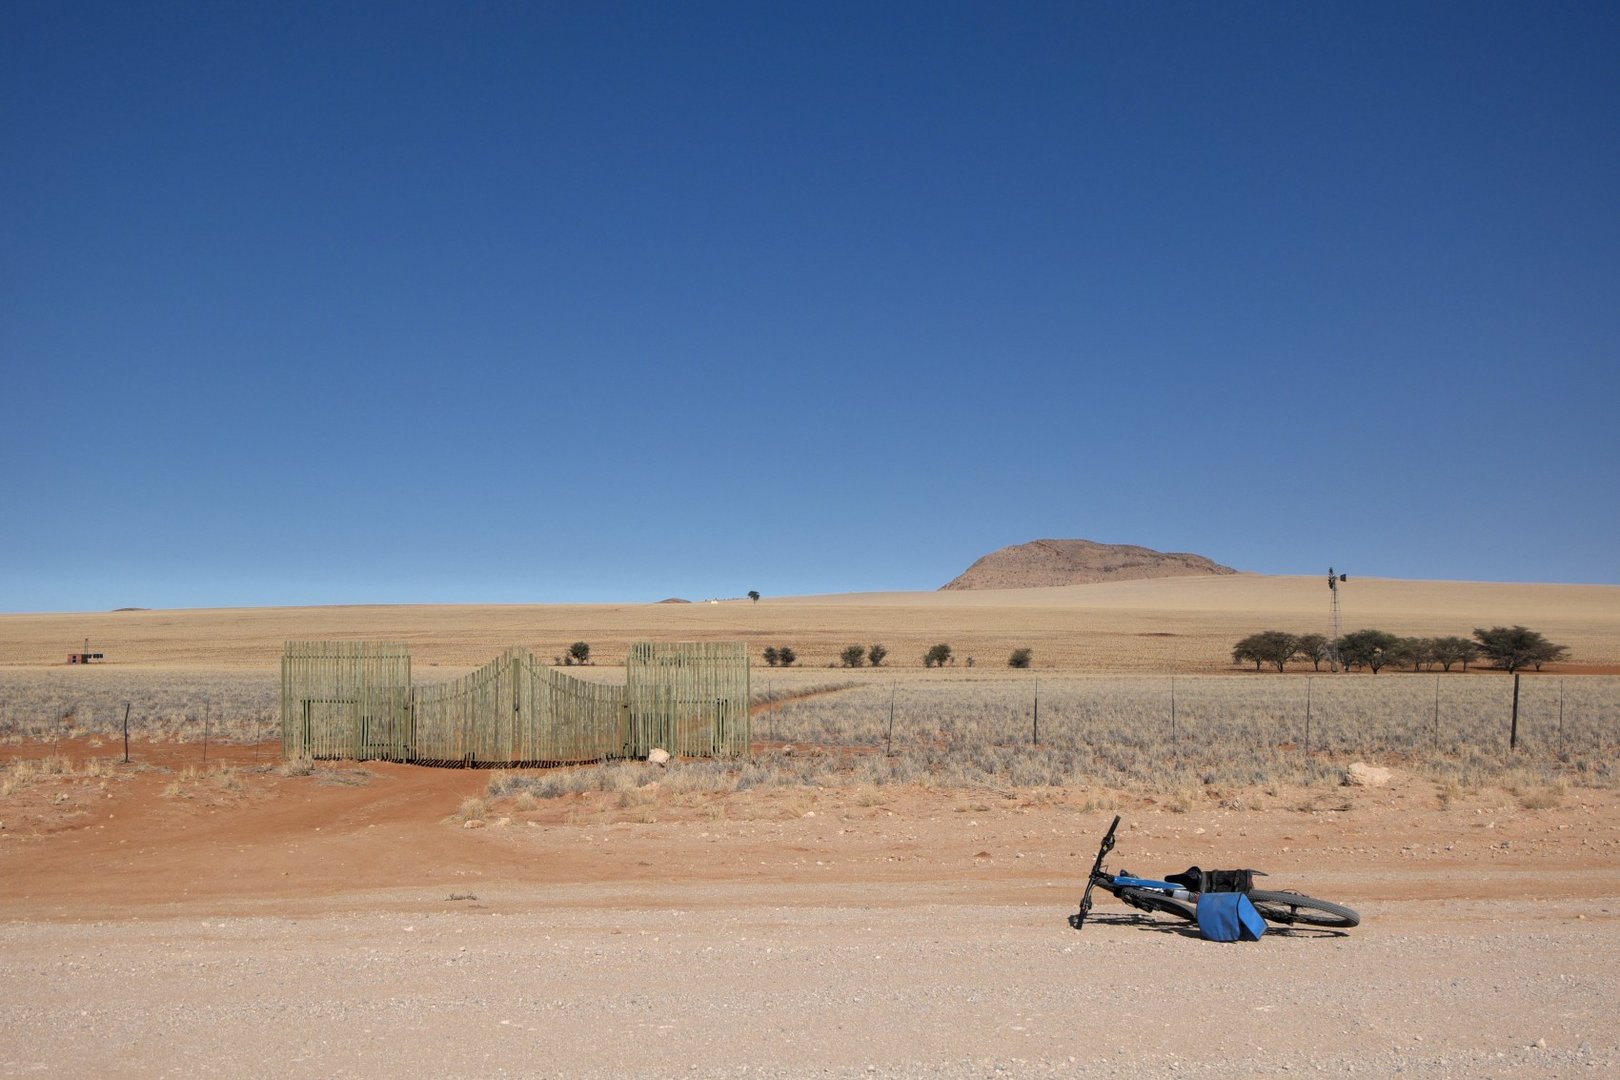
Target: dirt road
{"x": 247, "y": 923}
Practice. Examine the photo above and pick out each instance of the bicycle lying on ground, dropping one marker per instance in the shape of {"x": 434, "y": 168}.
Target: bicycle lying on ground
{"x": 1178, "y": 894}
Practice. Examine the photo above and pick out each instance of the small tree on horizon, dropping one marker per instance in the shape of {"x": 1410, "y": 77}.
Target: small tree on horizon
{"x": 937, "y": 656}
{"x": 1371, "y": 648}
{"x": 771, "y": 656}
{"x": 579, "y": 652}
{"x": 1454, "y": 650}
{"x": 786, "y": 656}
{"x": 1420, "y": 651}
{"x": 1269, "y": 647}
{"x": 1315, "y": 648}
{"x": 1020, "y": 658}
{"x": 1512, "y": 647}
{"x": 853, "y": 656}
{"x": 875, "y": 655}
{"x": 753, "y": 594}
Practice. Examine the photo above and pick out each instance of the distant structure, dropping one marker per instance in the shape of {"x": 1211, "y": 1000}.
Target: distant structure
{"x": 1333, "y": 586}
{"x": 85, "y": 656}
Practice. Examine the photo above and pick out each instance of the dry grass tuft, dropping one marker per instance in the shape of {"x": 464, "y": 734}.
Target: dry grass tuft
{"x": 1544, "y": 796}
{"x": 227, "y": 779}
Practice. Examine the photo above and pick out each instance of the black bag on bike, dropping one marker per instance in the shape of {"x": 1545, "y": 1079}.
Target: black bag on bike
{"x": 1214, "y": 881}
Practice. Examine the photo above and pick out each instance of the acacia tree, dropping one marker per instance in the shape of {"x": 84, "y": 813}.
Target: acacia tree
{"x": 753, "y": 594}
{"x": 1371, "y": 648}
{"x": 786, "y": 656}
{"x": 875, "y": 655}
{"x": 1512, "y": 647}
{"x": 1268, "y": 647}
{"x": 579, "y": 652}
{"x": 1416, "y": 651}
{"x": 1020, "y": 658}
{"x": 771, "y": 656}
{"x": 937, "y": 656}
{"x": 1453, "y": 650}
{"x": 1315, "y": 648}
{"x": 853, "y": 656}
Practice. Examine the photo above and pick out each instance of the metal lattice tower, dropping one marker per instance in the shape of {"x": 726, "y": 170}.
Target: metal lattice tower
{"x": 1333, "y": 585}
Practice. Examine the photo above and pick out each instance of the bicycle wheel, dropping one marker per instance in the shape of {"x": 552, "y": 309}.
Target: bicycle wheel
{"x": 1149, "y": 900}
{"x": 1298, "y": 909}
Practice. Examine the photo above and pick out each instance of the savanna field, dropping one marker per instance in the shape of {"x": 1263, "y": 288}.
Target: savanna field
{"x": 898, "y": 854}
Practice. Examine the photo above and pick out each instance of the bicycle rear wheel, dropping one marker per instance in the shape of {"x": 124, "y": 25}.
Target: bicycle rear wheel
{"x": 1149, "y": 900}
{"x": 1297, "y": 909}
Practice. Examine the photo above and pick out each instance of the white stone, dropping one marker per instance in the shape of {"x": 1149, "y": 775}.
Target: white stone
{"x": 1360, "y": 774}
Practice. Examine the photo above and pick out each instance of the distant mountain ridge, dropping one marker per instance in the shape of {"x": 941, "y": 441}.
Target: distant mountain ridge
{"x": 1042, "y": 563}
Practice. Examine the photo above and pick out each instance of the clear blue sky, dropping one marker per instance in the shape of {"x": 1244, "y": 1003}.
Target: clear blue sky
{"x": 565, "y": 302}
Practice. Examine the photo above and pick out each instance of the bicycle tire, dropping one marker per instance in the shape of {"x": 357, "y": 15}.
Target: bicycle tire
{"x": 1151, "y": 901}
{"x": 1297, "y": 909}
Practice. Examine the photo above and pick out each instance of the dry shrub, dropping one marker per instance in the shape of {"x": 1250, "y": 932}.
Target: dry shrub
{"x": 472, "y": 808}
{"x": 18, "y": 776}
{"x": 297, "y": 767}
{"x": 633, "y": 797}
{"x": 1543, "y": 796}
{"x": 334, "y": 777}
{"x": 226, "y": 778}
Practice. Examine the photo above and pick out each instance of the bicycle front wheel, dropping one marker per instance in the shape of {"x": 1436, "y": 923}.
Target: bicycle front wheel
{"x": 1151, "y": 900}
{"x": 1297, "y": 909}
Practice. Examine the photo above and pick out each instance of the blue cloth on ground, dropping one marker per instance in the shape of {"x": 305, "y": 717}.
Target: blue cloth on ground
{"x": 1229, "y": 917}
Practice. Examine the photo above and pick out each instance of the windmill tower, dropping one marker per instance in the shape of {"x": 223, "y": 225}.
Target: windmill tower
{"x": 1332, "y": 583}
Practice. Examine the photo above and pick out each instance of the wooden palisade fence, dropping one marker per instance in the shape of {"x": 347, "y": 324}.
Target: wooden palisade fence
{"x": 689, "y": 698}
{"x": 355, "y": 699}
{"x": 346, "y": 699}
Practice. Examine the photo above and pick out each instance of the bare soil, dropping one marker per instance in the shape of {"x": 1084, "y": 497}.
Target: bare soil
{"x": 345, "y": 923}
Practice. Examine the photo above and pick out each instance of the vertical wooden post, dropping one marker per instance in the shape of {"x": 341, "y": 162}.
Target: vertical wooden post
{"x": 1437, "y": 712}
{"x": 1513, "y": 732}
{"x": 126, "y": 731}
{"x": 1037, "y": 720}
{"x": 888, "y": 749}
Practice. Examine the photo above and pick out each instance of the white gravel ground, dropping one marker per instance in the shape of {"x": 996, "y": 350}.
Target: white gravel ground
{"x": 802, "y": 980}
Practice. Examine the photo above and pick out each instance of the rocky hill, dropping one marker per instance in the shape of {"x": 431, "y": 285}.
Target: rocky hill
{"x": 1077, "y": 562}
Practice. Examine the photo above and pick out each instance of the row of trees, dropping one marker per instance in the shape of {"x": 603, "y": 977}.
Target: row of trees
{"x": 1506, "y": 647}
{"x": 855, "y": 656}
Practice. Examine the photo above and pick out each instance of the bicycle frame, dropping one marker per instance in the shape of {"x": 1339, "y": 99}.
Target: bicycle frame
{"x": 1112, "y": 882}
{"x": 1157, "y": 896}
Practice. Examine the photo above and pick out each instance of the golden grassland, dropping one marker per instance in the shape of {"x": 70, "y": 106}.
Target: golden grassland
{"x": 1165, "y": 625}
